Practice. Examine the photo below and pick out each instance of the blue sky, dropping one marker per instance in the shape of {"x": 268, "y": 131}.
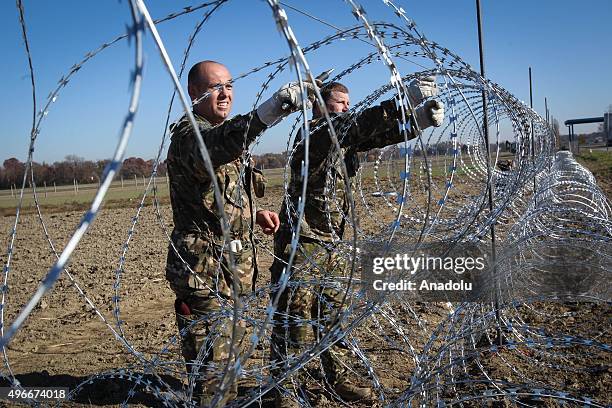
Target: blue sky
{"x": 567, "y": 43}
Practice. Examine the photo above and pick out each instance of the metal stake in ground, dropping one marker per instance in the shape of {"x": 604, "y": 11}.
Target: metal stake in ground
{"x": 532, "y": 135}
{"x": 485, "y": 125}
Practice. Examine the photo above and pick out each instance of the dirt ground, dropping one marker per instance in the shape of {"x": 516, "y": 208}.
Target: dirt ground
{"x": 64, "y": 341}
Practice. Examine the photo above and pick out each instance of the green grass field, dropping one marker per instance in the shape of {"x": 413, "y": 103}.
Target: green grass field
{"x": 66, "y": 198}
{"x": 599, "y": 159}
{"x": 439, "y": 167}
{"x": 599, "y": 162}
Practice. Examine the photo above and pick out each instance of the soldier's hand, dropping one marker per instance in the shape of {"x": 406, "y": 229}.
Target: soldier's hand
{"x": 420, "y": 89}
{"x": 286, "y": 100}
{"x": 430, "y": 114}
{"x": 268, "y": 221}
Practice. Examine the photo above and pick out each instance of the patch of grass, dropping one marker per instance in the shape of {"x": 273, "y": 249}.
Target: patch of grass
{"x": 67, "y": 200}
{"x": 274, "y": 177}
{"x": 601, "y": 157}
{"x": 439, "y": 166}
{"x": 599, "y": 162}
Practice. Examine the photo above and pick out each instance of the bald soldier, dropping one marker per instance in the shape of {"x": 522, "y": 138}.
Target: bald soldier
{"x": 323, "y": 224}
{"x": 198, "y": 263}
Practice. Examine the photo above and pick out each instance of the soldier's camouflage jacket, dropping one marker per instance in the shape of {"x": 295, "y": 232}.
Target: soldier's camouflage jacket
{"x": 375, "y": 127}
{"x": 197, "y": 231}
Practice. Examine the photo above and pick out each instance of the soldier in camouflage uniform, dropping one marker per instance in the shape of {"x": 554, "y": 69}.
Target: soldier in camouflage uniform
{"x": 322, "y": 223}
{"x": 198, "y": 258}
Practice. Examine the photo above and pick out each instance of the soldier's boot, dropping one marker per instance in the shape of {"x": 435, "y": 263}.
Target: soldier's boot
{"x": 196, "y": 338}
{"x": 350, "y": 392}
{"x": 209, "y": 392}
{"x": 282, "y": 400}
{"x": 282, "y": 345}
{"x": 335, "y": 376}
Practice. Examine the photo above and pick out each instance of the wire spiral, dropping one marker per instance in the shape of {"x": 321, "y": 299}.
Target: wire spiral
{"x": 432, "y": 189}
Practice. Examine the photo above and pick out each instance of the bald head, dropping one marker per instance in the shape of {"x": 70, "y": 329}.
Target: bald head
{"x": 213, "y": 77}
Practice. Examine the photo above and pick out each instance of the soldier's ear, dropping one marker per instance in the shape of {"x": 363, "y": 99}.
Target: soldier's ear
{"x": 316, "y": 109}
{"x": 193, "y": 92}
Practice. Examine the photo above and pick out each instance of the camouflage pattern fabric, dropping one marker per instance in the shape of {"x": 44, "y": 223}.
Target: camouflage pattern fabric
{"x": 375, "y": 127}
{"x": 198, "y": 270}
{"x": 209, "y": 333}
{"x": 259, "y": 183}
{"x": 301, "y": 302}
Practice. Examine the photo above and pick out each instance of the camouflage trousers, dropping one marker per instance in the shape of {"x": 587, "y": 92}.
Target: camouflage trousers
{"x": 306, "y": 301}
{"x": 204, "y": 309}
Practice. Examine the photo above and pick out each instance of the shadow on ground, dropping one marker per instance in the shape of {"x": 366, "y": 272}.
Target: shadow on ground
{"x": 109, "y": 391}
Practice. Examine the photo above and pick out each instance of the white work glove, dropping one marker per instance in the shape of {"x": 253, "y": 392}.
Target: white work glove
{"x": 420, "y": 89}
{"x": 430, "y": 114}
{"x": 285, "y": 101}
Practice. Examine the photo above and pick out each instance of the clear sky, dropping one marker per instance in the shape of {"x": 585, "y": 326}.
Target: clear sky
{"x": 568, "y": 44}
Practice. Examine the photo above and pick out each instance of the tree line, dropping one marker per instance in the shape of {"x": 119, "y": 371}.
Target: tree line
{"x": 76, "y": 169}
{"x": 73, "y": 169}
